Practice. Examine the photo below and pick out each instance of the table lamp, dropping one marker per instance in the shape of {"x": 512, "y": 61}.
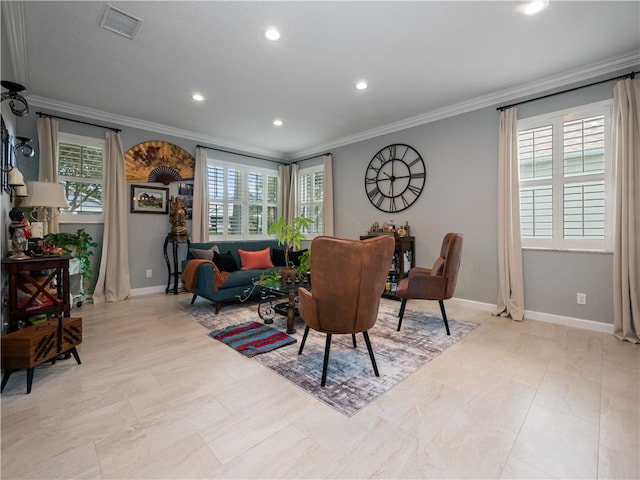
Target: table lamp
{"x": 42, "y": 196}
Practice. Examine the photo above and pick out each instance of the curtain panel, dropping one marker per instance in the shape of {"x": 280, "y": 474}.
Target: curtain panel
{"x": 114, "y": 283}
{"x": 626, "y": 250}
{"x": 510, "y": 280}
{"x": 200, "y": 217}
{"x": 48, "y": 143}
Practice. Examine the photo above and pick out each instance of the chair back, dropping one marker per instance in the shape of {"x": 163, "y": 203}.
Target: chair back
{"x": 347, "y": 281}
{"x": 448, "y": 264}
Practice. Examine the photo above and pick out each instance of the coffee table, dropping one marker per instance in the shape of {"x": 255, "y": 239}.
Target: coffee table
{"x": 271, "y": 302}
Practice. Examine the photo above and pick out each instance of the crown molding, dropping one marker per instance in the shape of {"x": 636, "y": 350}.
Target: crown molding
{"x": 586, "y": 72}
{"x": 119, "y": 121}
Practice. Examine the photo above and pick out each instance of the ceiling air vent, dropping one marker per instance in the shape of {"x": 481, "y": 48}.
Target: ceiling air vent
{"x": 120, "y": 22}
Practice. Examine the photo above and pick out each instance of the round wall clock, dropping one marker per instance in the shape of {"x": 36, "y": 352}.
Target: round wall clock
{"x": 395, "y": 178}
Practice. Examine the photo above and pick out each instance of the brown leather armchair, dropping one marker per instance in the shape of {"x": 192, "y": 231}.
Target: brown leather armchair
{"x": 348, "y": 278}
{"x": 437, "y": 282}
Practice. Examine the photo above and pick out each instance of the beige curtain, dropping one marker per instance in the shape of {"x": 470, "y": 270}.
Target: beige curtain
{"x": 200, "y": 219}
{"x": 292, "y": 209}
{"x": 626, "y": 250}
{"x": 48, "y": 144}
{"x": 283, "y": 197}
{"x": 510, "y": 285}
{"x": 113, "y": 282}
{"x": 327, "y": 195}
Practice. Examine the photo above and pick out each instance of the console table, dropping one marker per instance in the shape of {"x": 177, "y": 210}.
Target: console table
{"x": 174, "y": 272}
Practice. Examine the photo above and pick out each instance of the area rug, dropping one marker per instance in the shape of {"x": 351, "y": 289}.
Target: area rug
{"x": 252, "y": 338}
{"x": 351, "y": 383}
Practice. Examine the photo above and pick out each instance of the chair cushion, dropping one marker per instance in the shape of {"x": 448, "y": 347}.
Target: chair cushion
{"x": 225, "y": 262}
{"x": 254, "y": 260}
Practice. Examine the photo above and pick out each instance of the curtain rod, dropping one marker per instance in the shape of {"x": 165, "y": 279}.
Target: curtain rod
{"x": 621, "y": 77}
{"x": 315, "y": 156}
{"x": 241, "y": 154}
{"x": 117, "y": 130}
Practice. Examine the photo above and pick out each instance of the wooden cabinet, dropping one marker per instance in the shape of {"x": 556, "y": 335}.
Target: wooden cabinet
{"x": 404, "y": 259}
{"x": 37, "y": 286}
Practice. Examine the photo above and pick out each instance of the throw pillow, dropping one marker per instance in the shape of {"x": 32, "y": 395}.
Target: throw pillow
{"x": 204, "y": 254}
{"x": 295, "y": 257}
{"x": 277, "y": 257}
{"x": 225, "y": 262}
{"x": 254, "y": 260}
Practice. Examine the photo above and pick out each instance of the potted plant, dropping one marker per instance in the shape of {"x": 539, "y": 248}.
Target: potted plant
{"x": 305, "y": 265}
{"x": 290, "y": 235}
{"x": 79, "y": 244}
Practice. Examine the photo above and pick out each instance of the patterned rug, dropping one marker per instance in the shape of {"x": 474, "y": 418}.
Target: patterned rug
{"x": 252, "y": 338}
{"x": 351, "y": 383}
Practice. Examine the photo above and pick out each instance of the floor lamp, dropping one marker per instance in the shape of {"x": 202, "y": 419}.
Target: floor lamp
{"x": 42, "y": 196}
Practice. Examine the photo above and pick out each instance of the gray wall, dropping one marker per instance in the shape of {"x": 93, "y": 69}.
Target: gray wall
{"x": 460, "y": 195}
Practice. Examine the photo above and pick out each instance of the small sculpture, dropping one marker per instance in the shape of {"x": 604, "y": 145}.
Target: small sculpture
{"x": 178, "y": 217}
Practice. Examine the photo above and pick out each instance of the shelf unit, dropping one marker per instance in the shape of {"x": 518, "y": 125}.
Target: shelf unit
{"x": 37, "y": 286}
{"x": 404, "y": 259}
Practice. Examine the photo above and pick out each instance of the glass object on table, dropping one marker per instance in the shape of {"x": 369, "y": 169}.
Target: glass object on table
{"x": 19, "y": 244}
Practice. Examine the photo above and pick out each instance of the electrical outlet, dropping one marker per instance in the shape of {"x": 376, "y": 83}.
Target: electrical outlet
{"x": 582, "y": 299}
{"x": 149, "y": 273}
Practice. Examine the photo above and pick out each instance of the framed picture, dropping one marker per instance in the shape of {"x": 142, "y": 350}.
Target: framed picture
{"x": 145, "y": 199}
{"x": 185, "y": 190}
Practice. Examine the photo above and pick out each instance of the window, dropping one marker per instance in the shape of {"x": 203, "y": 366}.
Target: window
{"x": 80, "y": 170}
{"x": 243, "y": 200}
{"x": 310, "y": 198}
{"x": 564, "y": 163}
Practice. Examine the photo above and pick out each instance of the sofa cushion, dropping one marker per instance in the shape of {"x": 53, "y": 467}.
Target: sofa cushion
{"x": 204, "y": 254}
{"x": 294, "y": 257}
{"x": 277, "y": 257}
{"x": 225, "y": 262}
{"x": 252, "y": 260}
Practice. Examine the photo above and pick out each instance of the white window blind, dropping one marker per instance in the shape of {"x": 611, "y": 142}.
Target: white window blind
{"x": 243, "y": 200}
{"x": 81, "y": 171}
{"x": 310, "y": 198}
{"x": 565, "y": 179}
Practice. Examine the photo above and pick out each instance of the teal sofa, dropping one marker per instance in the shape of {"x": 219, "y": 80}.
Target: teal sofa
{"x": 237, "y": 282}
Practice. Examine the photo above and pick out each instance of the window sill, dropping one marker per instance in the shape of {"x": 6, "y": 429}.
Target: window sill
{"x": 567, "y": 250}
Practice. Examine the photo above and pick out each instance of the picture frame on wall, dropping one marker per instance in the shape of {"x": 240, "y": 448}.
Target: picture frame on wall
{"x": 146, "y": 199}
{"x": 185, "y": 190}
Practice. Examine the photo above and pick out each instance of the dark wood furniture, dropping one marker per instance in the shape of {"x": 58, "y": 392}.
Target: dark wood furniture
{"x": 270, "y": 305}
{"x": 174, "y": 271}
{"x": 404, "y": 259}
{"x": 37, "y": 286}
{"x": 34, "y": 345}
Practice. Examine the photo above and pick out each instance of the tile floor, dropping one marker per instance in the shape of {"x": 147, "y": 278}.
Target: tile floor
{"x": 155, "y": 398}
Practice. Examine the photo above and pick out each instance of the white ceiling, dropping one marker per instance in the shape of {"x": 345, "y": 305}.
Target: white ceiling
{"x": 421, "y": 59}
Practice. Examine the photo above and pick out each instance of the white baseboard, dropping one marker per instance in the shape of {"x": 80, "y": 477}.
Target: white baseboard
{"x": 545, "y": 317}
{"x": 135, "y": 292}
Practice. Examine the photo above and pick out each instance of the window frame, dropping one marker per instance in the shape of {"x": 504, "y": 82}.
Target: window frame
{"x": 245, "y": 202}
{"x": 72, "y": 138}
{"x": 558, "y": 181}
{"x": 313, "y": 203}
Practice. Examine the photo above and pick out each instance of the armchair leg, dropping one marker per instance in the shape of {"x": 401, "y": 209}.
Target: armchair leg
{"x": 444, "y": 316}
{"x": 195, "y": 295}
{"x": 325, "y": 363}
{"x": 401, "y": 314}
{"x": 373, "y": 359}
{"x": 304, "y": 339}
{"x": 353, "y": 337}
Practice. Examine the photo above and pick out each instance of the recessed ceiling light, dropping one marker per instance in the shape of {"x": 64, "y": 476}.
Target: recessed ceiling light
{"x": 197, "y": 97}
{"x": 272, "y": 33}
{"x": 535, "y": 6}
{"x": 361, "y": 85}
{"x": 277, "y": 122}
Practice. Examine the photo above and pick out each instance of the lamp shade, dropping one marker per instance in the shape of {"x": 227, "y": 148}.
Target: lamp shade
{"x": 15, "y": 178}
{"x": 45, "y": 194}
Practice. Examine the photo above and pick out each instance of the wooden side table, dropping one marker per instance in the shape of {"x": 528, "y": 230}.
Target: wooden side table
{"x": 29, "y": 292}
{"x": 174, "y": 272}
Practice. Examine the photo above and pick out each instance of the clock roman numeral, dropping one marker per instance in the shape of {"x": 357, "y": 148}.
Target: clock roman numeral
{"x": 417, "y": 175}
{"x": 413, "y": 189}
{"x": 414, "y": 162}
{"x": 373, "y": 193}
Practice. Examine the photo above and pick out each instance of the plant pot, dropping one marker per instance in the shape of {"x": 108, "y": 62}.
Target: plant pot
{"x": 288, "y": 275}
